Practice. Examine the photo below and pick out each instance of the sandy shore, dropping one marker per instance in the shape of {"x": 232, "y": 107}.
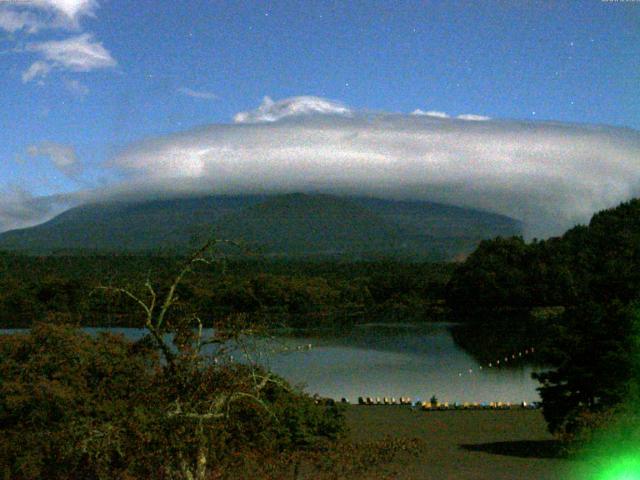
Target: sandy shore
{"x": 467, "y": 445}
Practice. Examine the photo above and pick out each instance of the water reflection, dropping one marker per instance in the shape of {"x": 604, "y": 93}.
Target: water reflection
{"x": 397, "y": 360}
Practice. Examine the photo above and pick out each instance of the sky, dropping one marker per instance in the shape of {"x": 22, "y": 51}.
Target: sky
{"x": 530, "y": 109}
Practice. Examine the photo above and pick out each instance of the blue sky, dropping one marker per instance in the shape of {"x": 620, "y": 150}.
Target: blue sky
{"x": 84, "y": 79}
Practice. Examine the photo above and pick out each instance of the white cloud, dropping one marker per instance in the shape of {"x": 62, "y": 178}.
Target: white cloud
{"x": 437, "y": 114}
{"x": 430, "y": 113}
{"x": 549, "y": 175}
{"x": 76, "y": 87}
{"x": 13, "y": 21}
{"x": 36, "y": 70}
{"x": 472, "y": 117}
{"x": 32, "y": 16}
{"x": 70, "y": 8}
{"x": 79, "y": 54}
{"x": 270, "y": 111}
{"x": 198, "y": 94}
{"x": 63, "y": 157}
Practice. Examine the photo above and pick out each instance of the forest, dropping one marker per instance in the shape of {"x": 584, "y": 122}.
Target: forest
{"x": 66, "y": 289}
{"x": 581, "y": 293}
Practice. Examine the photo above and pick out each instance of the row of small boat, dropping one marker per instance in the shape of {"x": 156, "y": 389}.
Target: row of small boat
{"x": 478, "y": 406}
{"x": 384, "y": 401}
{"x": 445, "y": 405}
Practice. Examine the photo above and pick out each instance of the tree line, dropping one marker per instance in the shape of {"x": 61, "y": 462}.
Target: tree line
{"x": 62, "y": 289}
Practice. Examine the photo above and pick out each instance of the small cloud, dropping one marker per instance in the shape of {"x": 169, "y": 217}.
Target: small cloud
{"x": 472, "y": 117}
{"x": 75, "y": 87}
{"x": 63, "y": 157}
{"x": 31, "y": 16}
{"x": 77, "y": 54}
{"x": 430, "y": 113}
{"x": 36, "y": 70}
{"x": 72, "y": 9}
{"x": 270, "y": 111}
{"x": 14, "y": 21}
{"x": 19, "y": 208}
{"x": 80, "y": 53}
{"x": 198, "y": 94}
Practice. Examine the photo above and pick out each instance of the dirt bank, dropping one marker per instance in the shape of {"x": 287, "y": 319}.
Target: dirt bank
{"x": 467, "y": 445}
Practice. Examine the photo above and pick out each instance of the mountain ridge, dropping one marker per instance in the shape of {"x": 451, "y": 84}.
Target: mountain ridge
{"x": 294, "y": 224}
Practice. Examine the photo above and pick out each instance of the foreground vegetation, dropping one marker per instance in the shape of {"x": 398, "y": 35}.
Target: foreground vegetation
{"x": 102, "y": 407}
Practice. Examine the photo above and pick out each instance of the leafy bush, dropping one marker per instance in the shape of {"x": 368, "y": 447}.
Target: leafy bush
{"x": 70, "y": 403}
{"x": 77, "y": 406}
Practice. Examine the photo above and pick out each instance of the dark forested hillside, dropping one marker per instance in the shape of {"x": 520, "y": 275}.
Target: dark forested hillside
{"x": 293, "y": 225}
{"x": 591, "y": 278}
{"x": 600, "y": 261}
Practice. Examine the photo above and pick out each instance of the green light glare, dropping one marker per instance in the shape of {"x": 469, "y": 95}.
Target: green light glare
{"x": 625, "y": 468}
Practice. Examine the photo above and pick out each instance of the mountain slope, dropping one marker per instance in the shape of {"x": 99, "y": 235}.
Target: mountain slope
{"x": 320, "y": 225}
{"x": 282, "y": 225}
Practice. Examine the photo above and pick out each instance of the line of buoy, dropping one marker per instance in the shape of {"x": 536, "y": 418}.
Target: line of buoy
{"x": 496, "y": 363}
{"x": 298, "y": 348}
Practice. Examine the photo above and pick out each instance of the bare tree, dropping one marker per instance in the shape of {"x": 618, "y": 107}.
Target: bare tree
{"x": 187, "y": 355}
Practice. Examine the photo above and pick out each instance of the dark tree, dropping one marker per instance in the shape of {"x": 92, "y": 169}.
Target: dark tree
{"x": 593, "y": 354}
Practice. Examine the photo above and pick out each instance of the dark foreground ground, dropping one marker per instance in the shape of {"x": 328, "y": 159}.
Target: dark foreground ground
{"x": 467, "y": 445}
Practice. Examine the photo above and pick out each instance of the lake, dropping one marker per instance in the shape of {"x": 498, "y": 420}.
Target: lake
{"x": 392, "y": 360}
{"x": 398, "y": 360}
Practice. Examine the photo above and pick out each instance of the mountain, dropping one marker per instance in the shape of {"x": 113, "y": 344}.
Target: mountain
{"x": 279, "y": 225}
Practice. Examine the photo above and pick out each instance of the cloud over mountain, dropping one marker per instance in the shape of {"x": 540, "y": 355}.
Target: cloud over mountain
{"x": 550, "y": 175}
{"x": 19, "y": 208}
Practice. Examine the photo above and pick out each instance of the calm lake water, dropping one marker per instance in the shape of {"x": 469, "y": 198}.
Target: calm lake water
{"x": 380, "y": 360}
